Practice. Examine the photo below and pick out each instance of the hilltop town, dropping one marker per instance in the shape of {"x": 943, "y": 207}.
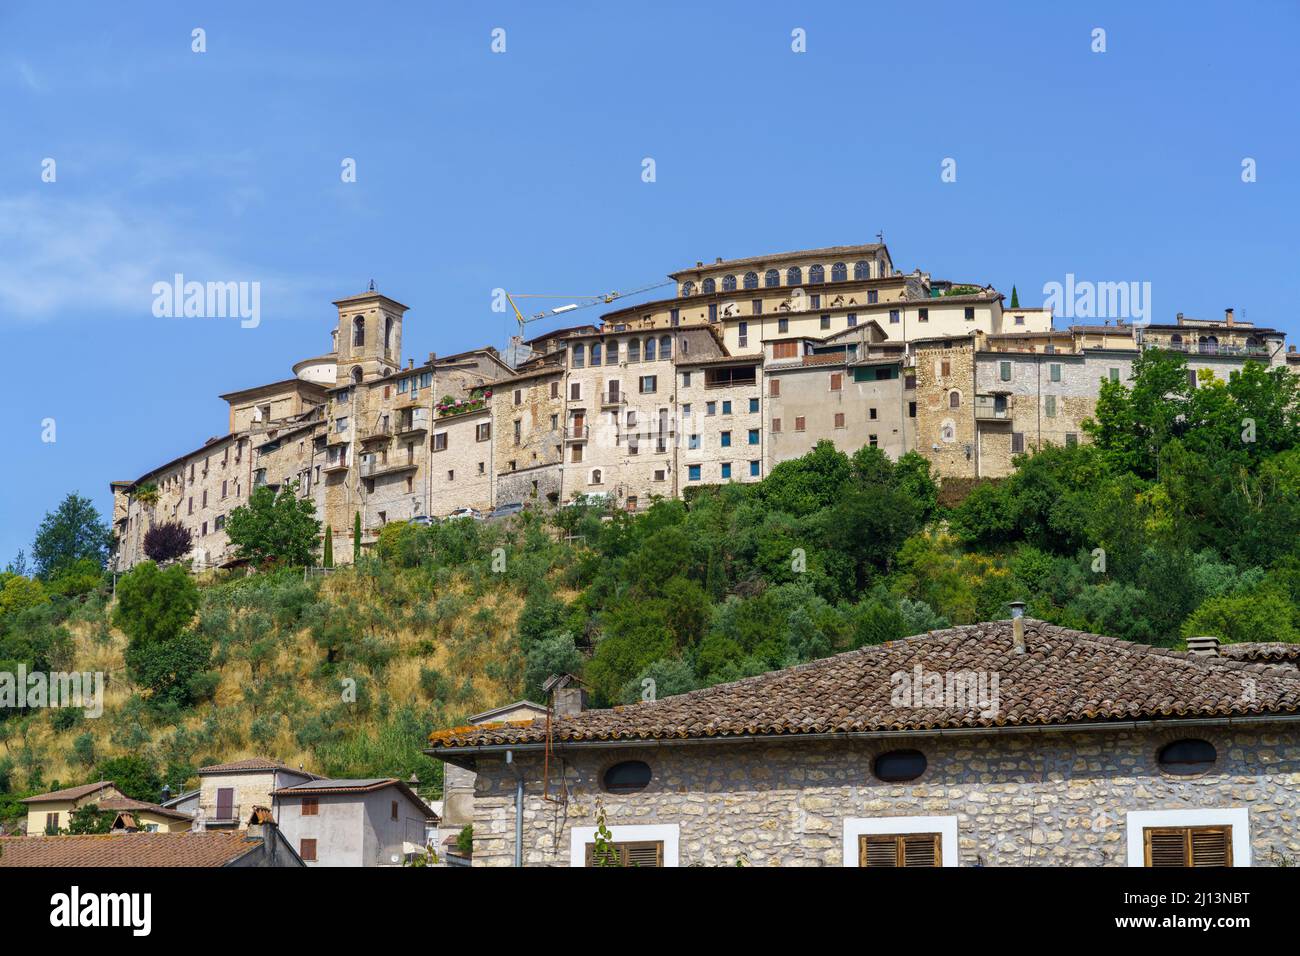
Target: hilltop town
{"x": 749, "y": 363}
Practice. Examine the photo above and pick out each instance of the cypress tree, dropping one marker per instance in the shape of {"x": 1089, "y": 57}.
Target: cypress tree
{"x": 356, "y": 537}
{"x": 329, "y": 547}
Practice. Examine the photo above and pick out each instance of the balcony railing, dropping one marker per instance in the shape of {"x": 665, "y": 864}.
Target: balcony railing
{"x": 417, "y": 422}
{"x": 988, "y": 409}
{"x": 577, "y": 433}
{"x": 220, "y": 816}
{"x": 371, "y": 469}
{"x": 336, "y": 466}
{"x": 613, "y": 400}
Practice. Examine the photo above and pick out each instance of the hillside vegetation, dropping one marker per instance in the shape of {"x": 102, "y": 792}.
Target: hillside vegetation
{"x": 1177, "y": 519}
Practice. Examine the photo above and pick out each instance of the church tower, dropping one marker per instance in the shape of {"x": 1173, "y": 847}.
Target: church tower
{"x": 368, "y": 341}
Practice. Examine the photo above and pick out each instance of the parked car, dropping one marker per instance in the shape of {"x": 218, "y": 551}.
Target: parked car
{"x": 507, "y": 509}
{"x": 459, "y": 513}
{"x": 424, "y": 520}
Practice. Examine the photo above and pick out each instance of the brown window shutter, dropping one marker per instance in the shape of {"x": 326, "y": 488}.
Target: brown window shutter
{"x": 877, "y": 851}
{"x": 640, "y": 853}
{"x": 1187, "y": 846}
{"x": 920, "y": 850}
{"x": 307, "y": 850}
{"x": 904, "y": 849}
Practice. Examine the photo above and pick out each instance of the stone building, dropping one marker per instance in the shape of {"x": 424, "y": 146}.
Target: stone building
{"x": 998, "y": 744}
{"x": 749, "y": 364}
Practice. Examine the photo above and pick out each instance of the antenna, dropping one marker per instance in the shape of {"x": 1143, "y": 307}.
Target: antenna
{"x": 373, "y": 287}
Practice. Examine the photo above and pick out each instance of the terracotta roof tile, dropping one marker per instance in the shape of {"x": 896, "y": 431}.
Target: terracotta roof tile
{"x": 1261, "y": 651}
{"x": 1065, "y": 676}
{"x": 252, "y": 763}
{"x": 70, "y": 793}
{"x": 208, "y": 848}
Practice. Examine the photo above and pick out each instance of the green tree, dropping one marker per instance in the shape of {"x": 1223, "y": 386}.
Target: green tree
{"x": 275, "y": 527}
{"x": 135, "y": 775}
{"x": 328, "y": 560}
{"x": 88, "y": 818}
{"x": 356, "y": 537}
{"x": 68, "y": 534}
{"x": 1015, "y": 298}
{"x": 164, "y": 655}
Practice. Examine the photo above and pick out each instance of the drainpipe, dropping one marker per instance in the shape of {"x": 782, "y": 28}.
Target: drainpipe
{"x": 519, "y": 807}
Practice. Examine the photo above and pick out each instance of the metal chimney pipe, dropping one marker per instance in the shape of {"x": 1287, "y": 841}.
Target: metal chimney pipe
{"x": 1018, "y": 626}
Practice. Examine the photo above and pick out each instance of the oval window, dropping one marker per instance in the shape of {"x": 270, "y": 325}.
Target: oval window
{"x": 627, "y": 777}
{"x": 899, "y": 765}
{"x": 1187, "y": 756}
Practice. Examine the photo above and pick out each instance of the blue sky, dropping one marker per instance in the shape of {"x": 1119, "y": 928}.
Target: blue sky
{"x": 522, "y": 170}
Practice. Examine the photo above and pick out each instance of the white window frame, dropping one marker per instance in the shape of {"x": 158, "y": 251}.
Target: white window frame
{"x": 668, "y": 833}
{"x": 855, "y": 827}
{"x": 1238, "y": 818}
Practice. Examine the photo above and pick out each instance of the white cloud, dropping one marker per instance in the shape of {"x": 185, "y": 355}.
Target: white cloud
{"x": 58, "y": 255}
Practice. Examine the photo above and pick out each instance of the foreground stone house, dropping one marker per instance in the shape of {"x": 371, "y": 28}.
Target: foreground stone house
{"x": 997, "y": 744}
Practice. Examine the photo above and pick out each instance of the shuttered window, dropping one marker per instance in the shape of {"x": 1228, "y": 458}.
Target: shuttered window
{"x": 899, "y": 849}
{"x": 307, "y": 850}
{"x": 783, "y": 350}
{"x": 635, "y": 853}
{"x": 310, "y": 806}
{"x": 1188, "y": 846}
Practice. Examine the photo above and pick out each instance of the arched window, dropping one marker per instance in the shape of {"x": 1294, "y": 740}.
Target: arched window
{"x": 839, "y": 272}
{"x": 816, "y": 275}
{"x": 595, "y": 476}
{"x": 611, "y": 353}
{"x": 688, "y": 288}
{"x": 356, "y": 375}
{"x": 595, "y": 354}
{"x": 1209, "y": 344}
{"x": 862, "y": 269}
{"x": 751, "y": 280}
{"x": 728, "y": 283}
{"x": 634, "y": 350}
{"x": 579, "y": 356}
{"x": 649, "y": 350}
{"x": 358, "y": 332}
{"x": 629, "y": 776}
{"x": 897, "y": 766}
{"x": 388, "y": 333}
{"x": 771, "y": 278}
{"x": 794, "y": 276}
{"x": 665, "y": 346}
{"x": 954, "y": 399}
{"x": 708, "y": 286}
{"x": 1187, "y": 756}
{"x": 1175, "y": 339}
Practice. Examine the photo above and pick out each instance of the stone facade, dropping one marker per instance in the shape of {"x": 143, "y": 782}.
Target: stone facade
{"x": 1059, "y": 799}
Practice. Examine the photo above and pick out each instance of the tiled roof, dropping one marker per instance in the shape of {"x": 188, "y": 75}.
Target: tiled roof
{"x": 71, "y": 793}
{"x": 207, "y": 848}
{"x": 252, "y": 763}
{"x": 327, "y": 786}
{"x": 1063, "y": 677}
{"x": 1261, "y": 651}
{"x": 128, "y": 804}
{"x": 824, "y": 251}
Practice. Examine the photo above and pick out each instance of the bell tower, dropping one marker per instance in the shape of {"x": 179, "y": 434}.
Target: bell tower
{"x": 368, "y": 341}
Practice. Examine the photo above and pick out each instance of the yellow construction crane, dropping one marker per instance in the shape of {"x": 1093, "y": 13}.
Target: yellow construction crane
{"x": 578, "y": 302}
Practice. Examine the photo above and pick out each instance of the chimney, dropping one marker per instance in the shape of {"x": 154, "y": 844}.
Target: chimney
{"x": 1018, "y": 626}
{"x": 698, "y": 263}
{"x": 718, "y": 259}
{"x": 165, "y": 795}
{"x": 1291, "y": 349}
{"x": 1179, "y": 317}
{"x": 1203, "y": 646}
{"x": 570, "y": 701}
{"x": 1227, "y": 317}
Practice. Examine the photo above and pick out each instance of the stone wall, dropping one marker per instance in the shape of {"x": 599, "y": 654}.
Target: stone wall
{"x": 1044, "y": 799}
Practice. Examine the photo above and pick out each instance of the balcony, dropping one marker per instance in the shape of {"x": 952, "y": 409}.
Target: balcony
{"x": 577, "y": 433}
{"x": 615, "y": 400}
{"x": 992, "y": 408}
{"x": 414, "y": 425}
{"x": 224, "y": 815}
{"x": 334, "y": 467}
{"x": 380, "y": 431}
{"x": 375, "y": 469}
